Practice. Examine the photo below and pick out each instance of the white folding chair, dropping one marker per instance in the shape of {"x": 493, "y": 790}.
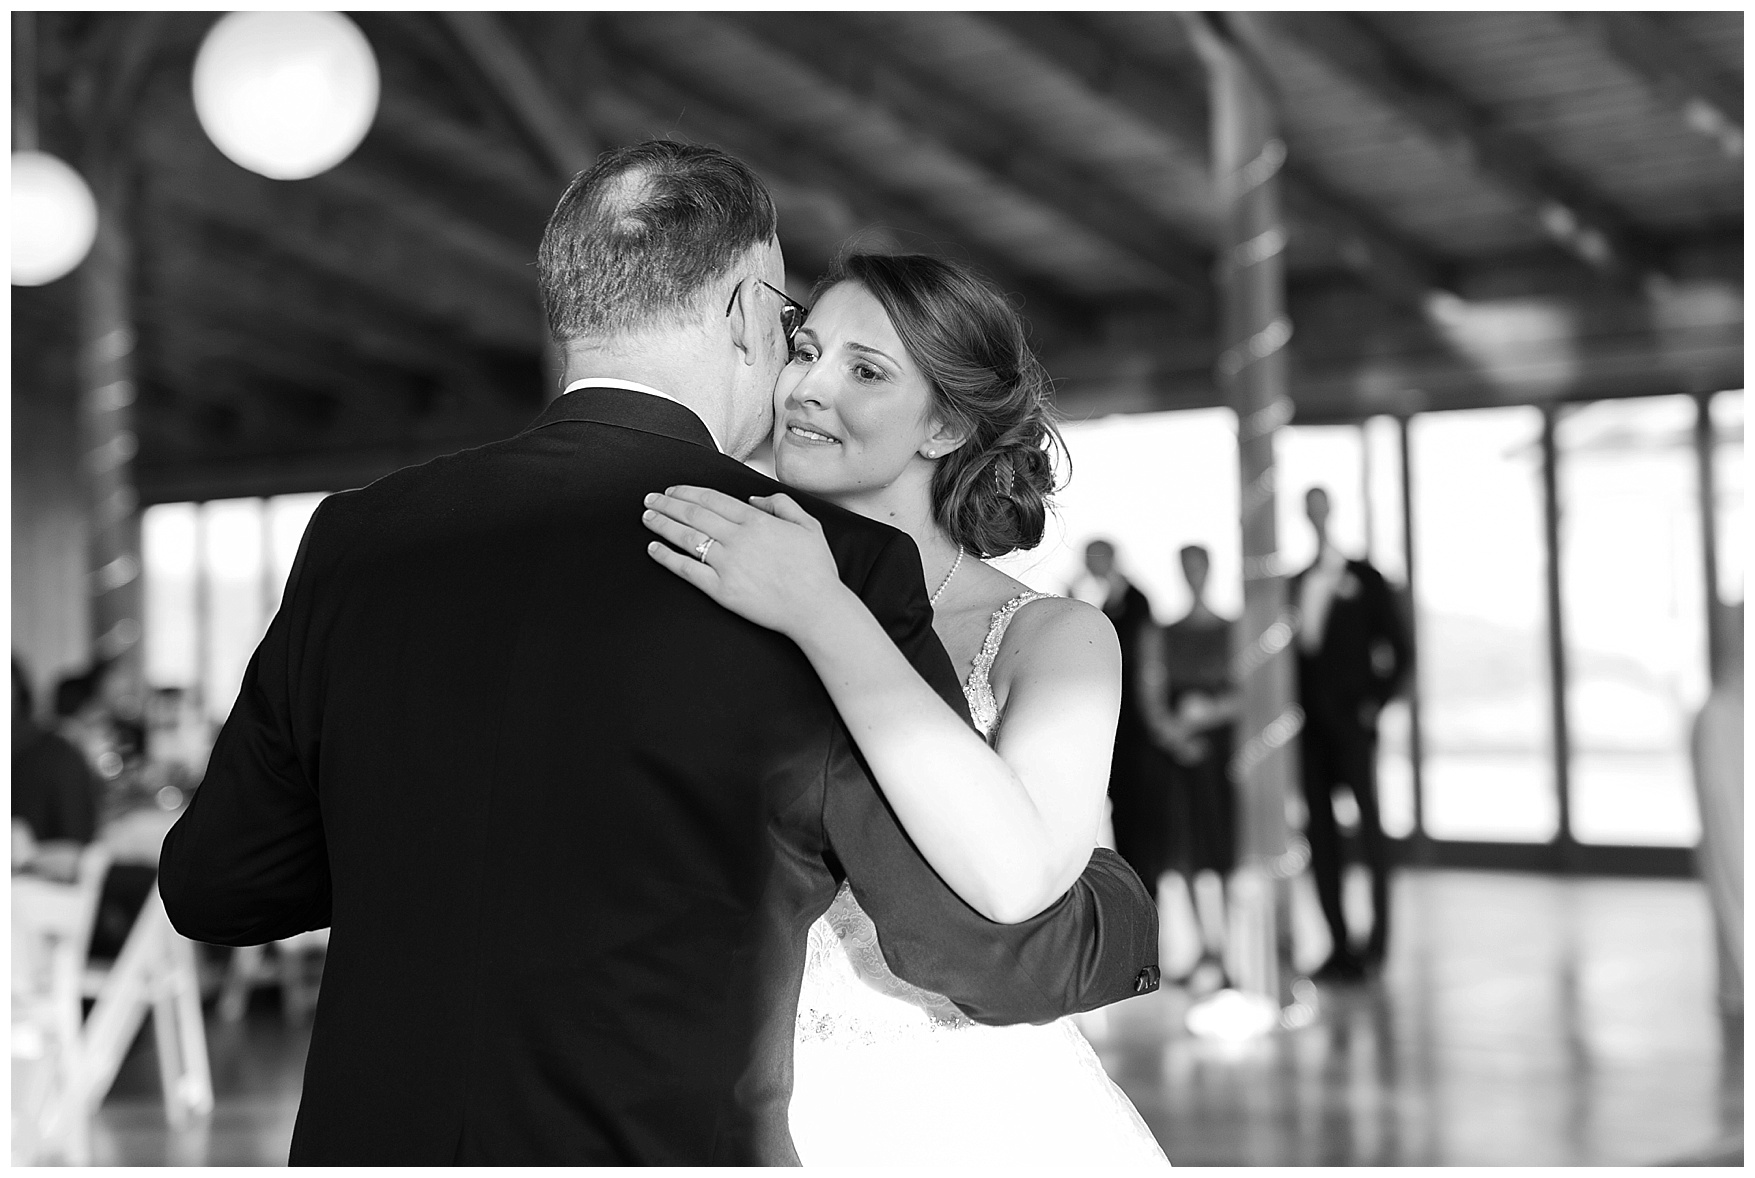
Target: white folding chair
{"x": 51, "y": 934}
{"x": 156, "y": 973}
{"x": 290, "y": 970}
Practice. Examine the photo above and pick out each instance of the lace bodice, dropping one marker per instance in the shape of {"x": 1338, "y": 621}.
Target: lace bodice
{"x": 978, "y": 690}
{"x": 849, "y": 992}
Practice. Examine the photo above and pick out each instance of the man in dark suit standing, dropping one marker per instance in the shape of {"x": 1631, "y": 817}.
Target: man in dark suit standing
{"x": 1138, "y": 795}
{"x": 1354, "y": 653}
{"x": 568, "y": 820}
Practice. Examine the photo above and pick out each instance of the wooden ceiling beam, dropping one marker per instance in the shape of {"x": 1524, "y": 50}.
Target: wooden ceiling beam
{"x": 567, "y": 145}
{"x": 1646, "y": 48}
{"x": 1340, "y": 321}
{"x": 413, "y": 210}
{"x": 284, "y": 380}
{"x": 916, "y": 96}
{"x": 201, "y": 361}
{"x": 1401, "y": 374}
{"x": 412, "y": 253}
{"x": 816, "y": 216}
{"x": 879, "y": 151}
{"x": 818, "y": 212}
{"x": 1126, "y": 76}
{"x": 643, "y": 97}
{"x": 417, "y": 275}
{"x": 202, "y": 281}
{"x": 1577, "y": 219}
{"x": 573, "y": 51}
{"x": 196, "y": 471}
{"x": 420, "y": 56}
{"x": 444, "y": 147}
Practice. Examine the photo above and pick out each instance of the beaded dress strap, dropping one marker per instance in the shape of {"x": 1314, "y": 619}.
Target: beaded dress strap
{"x": 983, "y": 708}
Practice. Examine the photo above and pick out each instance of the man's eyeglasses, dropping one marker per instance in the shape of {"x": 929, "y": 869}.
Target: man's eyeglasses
{"x": 792, "y": 312}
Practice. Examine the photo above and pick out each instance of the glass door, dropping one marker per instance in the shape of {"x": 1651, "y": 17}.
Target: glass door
{"x": 214, "y": 575}
{"x": 1486, "y": 716}
{"x": 1634, "y": 608}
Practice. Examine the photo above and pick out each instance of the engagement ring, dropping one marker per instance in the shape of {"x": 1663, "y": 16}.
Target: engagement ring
{"x": 701, "y": 549}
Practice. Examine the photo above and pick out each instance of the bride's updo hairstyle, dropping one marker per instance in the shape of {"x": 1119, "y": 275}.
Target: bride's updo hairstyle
{"x": 990, "y": 494}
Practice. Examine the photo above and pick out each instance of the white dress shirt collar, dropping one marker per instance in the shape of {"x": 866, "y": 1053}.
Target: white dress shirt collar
{"x": 634, "y": 386}
{"x": 1317, "y": 591}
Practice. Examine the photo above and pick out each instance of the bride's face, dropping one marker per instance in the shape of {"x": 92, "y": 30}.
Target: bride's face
{"x": 852, "y": 411}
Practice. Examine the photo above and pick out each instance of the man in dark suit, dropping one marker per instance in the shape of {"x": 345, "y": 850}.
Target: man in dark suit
{"x": 569, "y": 821}
{"x": 1354, "y": 653}
{"x": 1139, "y": 800}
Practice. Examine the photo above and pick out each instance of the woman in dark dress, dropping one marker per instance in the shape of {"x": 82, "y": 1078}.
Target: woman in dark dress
{"x": 1190, "y": 704}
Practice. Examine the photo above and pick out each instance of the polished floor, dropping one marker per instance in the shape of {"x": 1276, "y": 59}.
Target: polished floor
{"x": 1521, "y": 1020}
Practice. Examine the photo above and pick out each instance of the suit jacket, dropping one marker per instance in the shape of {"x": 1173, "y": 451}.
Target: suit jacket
{"x": 570, "y": 821}
{"x": 1131, "y": 614}
{"x": 1366, "y": 652}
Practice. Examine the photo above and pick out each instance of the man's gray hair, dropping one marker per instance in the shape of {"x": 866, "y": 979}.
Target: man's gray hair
{"x": 636, "y": 240}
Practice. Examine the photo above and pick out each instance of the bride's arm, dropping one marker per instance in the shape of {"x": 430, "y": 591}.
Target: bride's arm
{"x": 1009, "y": 829}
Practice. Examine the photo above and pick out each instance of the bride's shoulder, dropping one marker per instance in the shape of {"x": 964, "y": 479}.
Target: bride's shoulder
{"x": 1044, "y": 629}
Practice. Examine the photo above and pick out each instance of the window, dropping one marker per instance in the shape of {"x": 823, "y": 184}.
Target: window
{"x": 1634, "y": 609}
{"x": 214, "y": 575}
{"x": 1151, "y": 483}
{"x": 1486, "y": 715}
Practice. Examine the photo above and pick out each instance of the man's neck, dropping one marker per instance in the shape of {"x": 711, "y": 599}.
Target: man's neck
{"x": 692, "y": 381}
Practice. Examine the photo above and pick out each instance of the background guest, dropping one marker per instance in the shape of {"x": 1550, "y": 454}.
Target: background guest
{"x": 1716, "y": 746}
{"x": 1354, "y": 653}
{"x": 1136, "y": 795}
{"x": 1190, "y": 704}
{"x": 54, "y": 790}
{"x": 84, "y": 721}
{"x": 93, "y": 716}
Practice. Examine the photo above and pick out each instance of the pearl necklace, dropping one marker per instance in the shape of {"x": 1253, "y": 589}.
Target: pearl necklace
{"x": 939, "y": 592}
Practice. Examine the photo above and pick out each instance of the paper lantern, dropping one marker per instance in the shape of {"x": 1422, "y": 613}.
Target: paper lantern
{"x": 54, "y": 218}
{"x": 286, "y": 94}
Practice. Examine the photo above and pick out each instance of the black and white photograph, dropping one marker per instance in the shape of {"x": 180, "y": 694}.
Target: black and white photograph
{"x": 1078, "y": 591}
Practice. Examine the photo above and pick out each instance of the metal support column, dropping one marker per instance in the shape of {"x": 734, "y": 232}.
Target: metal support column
{"x": 1416, "y": 743}
{"x": 107, "y": 439}
{"x": 1254, "y": 330}
{"x": 1551, "y": 511}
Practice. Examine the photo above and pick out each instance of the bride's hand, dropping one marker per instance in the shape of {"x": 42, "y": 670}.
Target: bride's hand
{"x": 767, "y": 560}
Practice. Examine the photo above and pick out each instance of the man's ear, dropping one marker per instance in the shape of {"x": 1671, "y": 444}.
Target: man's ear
{"x": 744, "y": 336}
{"x": 943, "y": 439}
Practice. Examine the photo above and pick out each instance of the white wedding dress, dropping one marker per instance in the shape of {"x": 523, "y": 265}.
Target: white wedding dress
{"x": 888, "y": 1074}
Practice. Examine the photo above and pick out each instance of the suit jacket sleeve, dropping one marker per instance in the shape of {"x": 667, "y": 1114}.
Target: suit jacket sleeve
{"x": 1390, "y": 627}
{"x": 1097, "y": 944}
{"x": 247, "y": 862}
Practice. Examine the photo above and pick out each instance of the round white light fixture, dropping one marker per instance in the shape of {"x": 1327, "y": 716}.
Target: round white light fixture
{"x": 54, "y": 218}
{"x": 286, "y": 94}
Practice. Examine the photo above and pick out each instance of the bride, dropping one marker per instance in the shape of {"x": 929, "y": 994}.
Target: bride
{"x": 912, "y": 398}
